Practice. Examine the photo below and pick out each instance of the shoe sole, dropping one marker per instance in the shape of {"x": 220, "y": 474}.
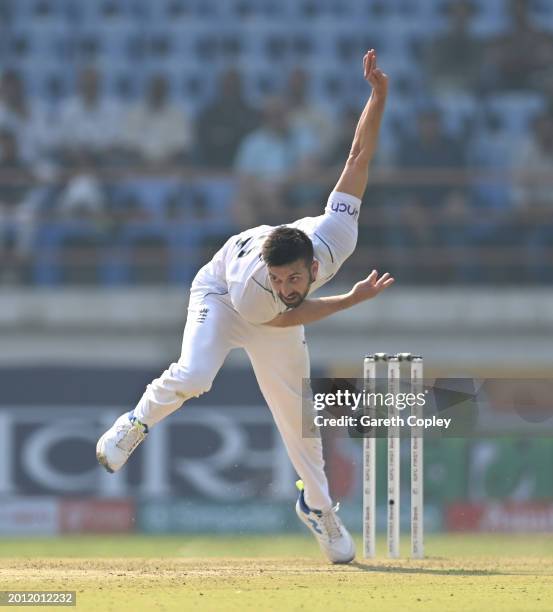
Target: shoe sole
{"x": 346, "y": 561}
{"x": 102, "y": 460}
{"x": 341, "y": 562}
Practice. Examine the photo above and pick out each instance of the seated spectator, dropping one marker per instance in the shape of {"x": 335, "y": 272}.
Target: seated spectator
{"x": 306, "y": 117}
{"x": 340, "y": 147}
{"x": 36, "y": 136}
{"x": 454, "y": 57}
{"x": 224, "y": 123}
{"x": 16, "y": 203}
{"x": 269, "y": 165}
{"x": 82, "y": 196}
{"x": 522, "y": 58}
{"x": 155, "y": 131}
{"x": 493, "y": 150}
{"x": 89, "y": 123}
{"x": 534, "y": 198}
{"x": 432, "y": 214}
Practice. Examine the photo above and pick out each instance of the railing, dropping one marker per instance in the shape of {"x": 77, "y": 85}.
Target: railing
{"x": 497, "y": 244}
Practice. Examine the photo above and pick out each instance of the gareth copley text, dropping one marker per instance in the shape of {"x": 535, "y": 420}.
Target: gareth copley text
{"x": 366, "y": 421}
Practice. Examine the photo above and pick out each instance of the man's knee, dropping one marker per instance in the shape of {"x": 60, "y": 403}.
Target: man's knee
{"x": 189, "y": 381}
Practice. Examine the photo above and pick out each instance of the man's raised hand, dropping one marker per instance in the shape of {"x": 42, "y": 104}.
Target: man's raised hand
{"x": 373, "y": 75}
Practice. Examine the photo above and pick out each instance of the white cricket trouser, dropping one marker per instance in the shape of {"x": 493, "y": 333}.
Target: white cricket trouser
{"x": 280, "y": 360}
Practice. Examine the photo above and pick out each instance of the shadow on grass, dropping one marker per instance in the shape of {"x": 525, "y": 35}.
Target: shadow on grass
{"x": 394, "y": 569}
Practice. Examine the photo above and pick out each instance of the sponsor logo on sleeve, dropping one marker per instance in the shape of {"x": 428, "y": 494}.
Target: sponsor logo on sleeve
{"x": 341, "y": 207}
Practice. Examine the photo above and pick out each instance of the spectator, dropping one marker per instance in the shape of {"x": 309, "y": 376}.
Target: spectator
{"x": 493, "y": 150}
{"x": 15, "y": 205}
{"x": 224, "y": 123}
{"x": 341, "y": 145}
{"x": 454, "y": 58}
{"x": 14, "y": 111}
{"x": 90, "y": 123}
{"x": 307, "y": 118}
{"x": 35, "y": 135}
{"x": 82, "y": 197}
{"x": 156, "y": 132}
{"x": 534, "y": 198}
{"x": 522, "y": 58}
{"x": 431, "y": 214}
{"x": 269, "y": 162}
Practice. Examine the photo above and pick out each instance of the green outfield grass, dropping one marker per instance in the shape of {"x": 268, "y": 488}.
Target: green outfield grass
{"x": 137, "y": 573}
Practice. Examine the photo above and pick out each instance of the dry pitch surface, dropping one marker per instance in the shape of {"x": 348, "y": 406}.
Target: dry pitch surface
{"x": 281, "y": 573}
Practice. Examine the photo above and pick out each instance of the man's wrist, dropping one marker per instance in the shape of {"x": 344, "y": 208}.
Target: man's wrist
{"x": 348, "y": 300}
{"x": 379, "y": 97}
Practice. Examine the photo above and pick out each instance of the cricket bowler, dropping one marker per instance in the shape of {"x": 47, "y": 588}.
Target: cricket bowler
{"x": 255, "y": 295}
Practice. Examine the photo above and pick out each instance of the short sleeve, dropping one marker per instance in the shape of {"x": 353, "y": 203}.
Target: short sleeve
{"x": 338, "y": 227}
{"x": 343, "y": 206}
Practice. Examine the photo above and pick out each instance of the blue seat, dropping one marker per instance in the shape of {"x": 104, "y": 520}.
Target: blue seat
{"x": 188, "y": 82}
{"x": 346, "y": 43}
{"x": 332, "y": 85}
{"x": 180, "y": 11}
{"x": 36, "y": 11}
{"x": 244, "y": 9}
{"x": 132, "y": 255}
{"x": 491, "y": 10}
{"x": 544, "y": 17}
{"x": 259, "y": 79}
{"x": 100, "y": 13}
{"x": 516, "y": 110}
{"x": 149, "y": 13}
{"x": 188, "y": 41}
{"x": 119, "y": 40}
{"x": 489, "y": 22}
{"x": 121, "y": 80}
{"x": 152, "y": 196}
{"x": 39, "y": 41}
{"x": 47, "y": 81}
{"x": 171, "y": 230}
{"x": 116, "y": 261}
{"x": 407, "y": 79}
{"x": 216, "y": 196}
{"x": 50, "y": 265}
{"x": 458, "y": 110}
{"x": 184, "y": 242}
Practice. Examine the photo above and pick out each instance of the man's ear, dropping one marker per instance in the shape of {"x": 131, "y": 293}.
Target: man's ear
{"x": 314, "y": 269}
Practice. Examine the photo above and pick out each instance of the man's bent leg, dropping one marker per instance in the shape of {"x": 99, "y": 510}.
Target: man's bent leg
{"x": 280, "y": 360}
{"x": 211, "y": 331}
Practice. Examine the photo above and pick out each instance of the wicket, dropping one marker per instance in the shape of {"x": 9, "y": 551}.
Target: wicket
{"x": 393, "y": 455}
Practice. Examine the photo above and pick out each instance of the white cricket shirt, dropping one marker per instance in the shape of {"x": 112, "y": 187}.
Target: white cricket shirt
{"x": 238, "y": 274}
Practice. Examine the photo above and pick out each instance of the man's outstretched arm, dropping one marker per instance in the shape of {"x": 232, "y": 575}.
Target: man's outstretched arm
{"x": 313, "y": 310}
{"x": 355, "y": 175}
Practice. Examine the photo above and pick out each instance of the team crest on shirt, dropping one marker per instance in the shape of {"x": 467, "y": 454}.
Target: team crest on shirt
{"x": 202, "y": 314}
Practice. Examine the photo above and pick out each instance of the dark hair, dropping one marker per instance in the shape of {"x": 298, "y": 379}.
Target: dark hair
{"x": 286, "y": 245}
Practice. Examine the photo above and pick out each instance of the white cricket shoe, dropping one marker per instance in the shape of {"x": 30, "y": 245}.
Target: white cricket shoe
{"x": 119, "y": 441}
{"x": 334, "y": 539}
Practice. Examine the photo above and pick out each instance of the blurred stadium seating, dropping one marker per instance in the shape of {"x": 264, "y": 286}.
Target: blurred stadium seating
{"x": 191, "y": 41}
